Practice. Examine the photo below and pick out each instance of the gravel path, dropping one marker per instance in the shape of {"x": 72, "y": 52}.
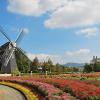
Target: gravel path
{"x": 8, "y": 93}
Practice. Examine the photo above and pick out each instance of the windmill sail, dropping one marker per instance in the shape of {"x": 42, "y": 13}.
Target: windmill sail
{"x": 9, "y": 56}
{"x": 4, "y": 33}
{"x": 19, "y": 37}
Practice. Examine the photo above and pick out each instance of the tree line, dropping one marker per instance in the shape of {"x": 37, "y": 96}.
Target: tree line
{"x": 92, "y": 67}
{"x": 49, "y": 67}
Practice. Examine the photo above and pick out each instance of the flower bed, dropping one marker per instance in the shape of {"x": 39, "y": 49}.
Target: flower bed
{"x": 28, "y": 94}
{"x": 48, "y": 90}
{"x": 77, "y": 88}
{"x": 78, "y": 76}
{"x": 95, "y": 82}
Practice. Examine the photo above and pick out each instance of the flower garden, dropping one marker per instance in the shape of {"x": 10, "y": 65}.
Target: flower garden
{"x": 55, "y": 88}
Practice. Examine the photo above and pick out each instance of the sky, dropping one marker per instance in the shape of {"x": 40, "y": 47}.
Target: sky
{"x": 63, "y": 30}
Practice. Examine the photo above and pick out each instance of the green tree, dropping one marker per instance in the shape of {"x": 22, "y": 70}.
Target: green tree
{"x": 45, "y": 67}
{"x": 35, "y": 65}
{"x": 97, "y": 67}
{"x": 50, "y": 65}
{"x": 15, "y": 72}
{"x": 87, "y": 68}
{"x": 58, "y": 68}
{"x": 23, "y": 62}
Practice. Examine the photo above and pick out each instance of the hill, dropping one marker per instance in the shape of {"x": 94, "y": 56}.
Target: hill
{"x": 74, "y": 64}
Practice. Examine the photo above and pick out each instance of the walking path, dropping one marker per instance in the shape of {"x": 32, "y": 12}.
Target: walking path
{"x": 8, "y": 93}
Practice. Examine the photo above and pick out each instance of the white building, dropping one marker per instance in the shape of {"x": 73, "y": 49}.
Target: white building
{"x": 95, "y": 60}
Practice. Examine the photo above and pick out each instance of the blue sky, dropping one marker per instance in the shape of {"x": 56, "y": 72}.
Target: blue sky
{"x": 64, "y": 30}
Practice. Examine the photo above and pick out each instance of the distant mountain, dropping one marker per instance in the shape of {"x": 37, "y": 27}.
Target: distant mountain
{"x": 74, "y": 64}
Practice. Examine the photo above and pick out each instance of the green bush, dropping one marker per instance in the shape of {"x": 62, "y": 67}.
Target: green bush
{"x": 15, "y": 72}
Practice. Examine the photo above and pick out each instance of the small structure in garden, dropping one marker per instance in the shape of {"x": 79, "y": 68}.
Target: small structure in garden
{"x": 10, "y": 53}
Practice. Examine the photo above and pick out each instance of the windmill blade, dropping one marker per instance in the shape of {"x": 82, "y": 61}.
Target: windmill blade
{"x": 9, "y": 56}
{"x": 4, "y": 55}
{"x": 24, "y": 54}
{"x": 19, "y": 37}
{"x": 4, "y": 33}
{"x": 20, "y": 50}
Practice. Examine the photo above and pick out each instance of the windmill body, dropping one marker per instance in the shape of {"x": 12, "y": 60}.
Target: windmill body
{"x": 12, "y": 62}
{"x": 8, "y": 54}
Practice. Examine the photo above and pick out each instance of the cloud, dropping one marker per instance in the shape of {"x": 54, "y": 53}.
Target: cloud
{"x": 82, "y": 55}
{"x": 79, "y": 52}
{"x": 41, "y": 57}
{"x": 89, "y": 32}
{"x": 24, "y": 7}
{"x": 75, "y": 13}
{"x": 62, "y": 13}
{"x": 26, "y": 30}
{"x": 33, "y": 7}
{"x": 45, "y": 57}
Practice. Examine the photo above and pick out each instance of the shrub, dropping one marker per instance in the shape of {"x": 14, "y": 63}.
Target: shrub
{"x": 15, "y": 72}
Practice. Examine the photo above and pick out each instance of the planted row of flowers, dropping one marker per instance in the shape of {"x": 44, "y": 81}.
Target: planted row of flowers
{"x": 94, "y": 82}
{"x": 79, "y": 89}
{"x": 28, "y": 94}
{"x": 95, "y": 75}
{"x": 51, "y": 92}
